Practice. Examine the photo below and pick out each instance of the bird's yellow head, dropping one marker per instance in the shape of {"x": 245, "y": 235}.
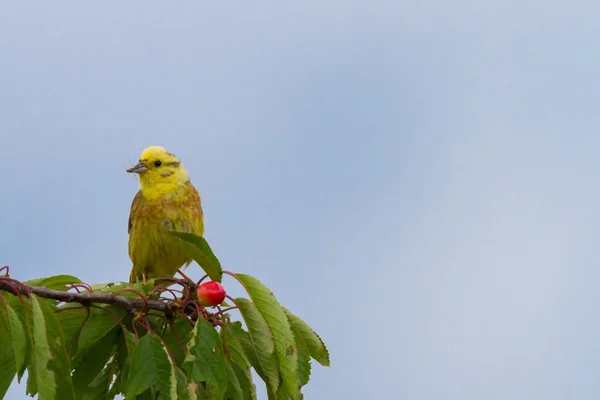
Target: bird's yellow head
{"x": 159, "y": 170}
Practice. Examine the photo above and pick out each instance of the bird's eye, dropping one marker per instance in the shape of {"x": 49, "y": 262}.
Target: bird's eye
{"x": 157, "y": 163}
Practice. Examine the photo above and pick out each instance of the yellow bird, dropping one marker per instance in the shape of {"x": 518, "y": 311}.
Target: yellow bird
{"x": 166, "y": 201}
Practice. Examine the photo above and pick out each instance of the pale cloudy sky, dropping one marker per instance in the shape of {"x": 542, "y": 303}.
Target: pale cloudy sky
{"x": 417, "y": 179}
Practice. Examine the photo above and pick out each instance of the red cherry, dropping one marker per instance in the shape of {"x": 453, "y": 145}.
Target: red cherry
{"x": 211, "y": 293}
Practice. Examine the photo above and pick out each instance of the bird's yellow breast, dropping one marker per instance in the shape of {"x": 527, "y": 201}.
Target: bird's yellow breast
{"x": 153, "y": 212}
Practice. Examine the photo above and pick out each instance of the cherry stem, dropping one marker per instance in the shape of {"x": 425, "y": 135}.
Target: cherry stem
{"x": 146, "y": 325}
{"x": 163, "y": 289}
{"x": 142, "y": 296}
{"x": 180, "y": 272}
{"x": 226, "y": 309}
{"x": 114, "y": 316}
{"x": 17, "y": 285}
{"x": 78, "y": 332}
{"x": 85, "y": 286}
{"x": 230, "y": 298}
{"x": 137, "y": 337}
{"x": 73, "y": 287}
{"x": 201, "y": 279}
{"x": 178, "y": 337}
{"x": 232, "y": 274}
{"x": 196, "y": 306}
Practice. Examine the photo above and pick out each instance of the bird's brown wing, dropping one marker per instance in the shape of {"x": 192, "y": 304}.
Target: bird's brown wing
{"x": 133, "y": 209}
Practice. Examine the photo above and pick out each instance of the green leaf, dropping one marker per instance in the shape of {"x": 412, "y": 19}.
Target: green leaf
{"x": 8, "y": 368}
{"x": 122, "y": 362}
{"x": 204, "y": 392}
{"x": 315, "y": 345}
{"x": 261, "y": 338}
{"x": 45, "y": 381}
{"x": 57, "y": 282}
{"x": 150, "y": 365}
{"x": 205, "y": 361}
{"x": 250, "y": 352}
{"x": 93, "y": 363}
{"x": 59, "y": 363}
{"x": 182, "y": 384}
{"x": 31, "y": 386}
{"x": 17, "y": 332}
{"x": 245, "y": 380}
{"x": 176, "y": 337}
{"x": 98, "y": 389}
{"x": 100, "y": 323}
{"x": 234, "y": 389}
{"x": 192, "y": 390}
{"x": 282, "y": 393}
{"x": 304, "y": 366}
{"x": 48, "y": 364}
{"x": 72, "y": 321}
{"x": 147, "y": 395}
{"x": 198, "y": 248}
{"x": 303, "y": 362}
{"x": 229, "y": 337}
{"x": 23, "y": 308}
{"x": 285, "y": 345}
{"x": 257, "y": 326}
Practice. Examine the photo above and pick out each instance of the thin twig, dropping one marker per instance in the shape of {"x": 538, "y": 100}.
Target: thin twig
{"x": 131, "y": 305}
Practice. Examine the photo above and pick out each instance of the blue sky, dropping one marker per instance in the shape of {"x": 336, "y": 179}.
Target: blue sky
{"x": 418, "y": 180}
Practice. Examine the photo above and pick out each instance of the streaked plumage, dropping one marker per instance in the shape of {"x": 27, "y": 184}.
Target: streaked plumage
{"x": 167, "y": 200}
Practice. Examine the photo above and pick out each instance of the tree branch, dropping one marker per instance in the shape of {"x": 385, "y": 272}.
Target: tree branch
{"x": 131, "y": 305}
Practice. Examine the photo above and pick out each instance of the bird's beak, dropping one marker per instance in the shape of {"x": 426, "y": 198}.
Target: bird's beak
{"x": 139, "y": 168}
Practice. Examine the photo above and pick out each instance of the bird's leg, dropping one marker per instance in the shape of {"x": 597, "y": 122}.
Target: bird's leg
{"x": 144, "y": 277}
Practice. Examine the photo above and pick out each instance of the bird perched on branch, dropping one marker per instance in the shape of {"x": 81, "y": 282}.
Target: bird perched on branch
{"x": 166, "y": 201}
